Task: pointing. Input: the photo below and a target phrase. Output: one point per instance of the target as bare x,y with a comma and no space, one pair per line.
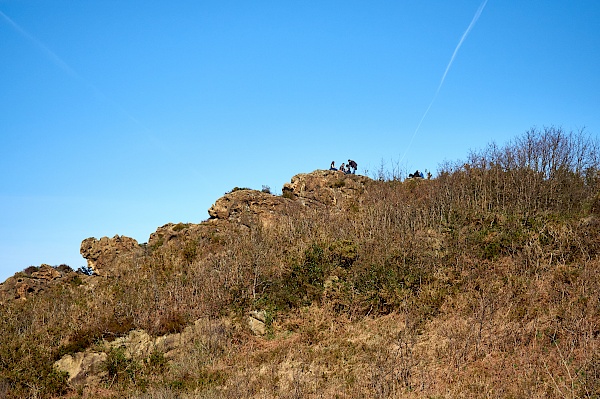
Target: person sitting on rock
332,167
343,168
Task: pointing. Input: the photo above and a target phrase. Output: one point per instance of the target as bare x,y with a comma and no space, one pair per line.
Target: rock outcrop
244,206
34,280
316,189
100,253
86,368
237,209
325,187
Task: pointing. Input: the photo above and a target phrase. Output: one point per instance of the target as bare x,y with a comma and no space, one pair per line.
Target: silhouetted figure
416,174
332,167
352,165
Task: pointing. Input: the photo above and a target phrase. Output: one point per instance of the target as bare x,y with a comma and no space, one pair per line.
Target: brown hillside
482,282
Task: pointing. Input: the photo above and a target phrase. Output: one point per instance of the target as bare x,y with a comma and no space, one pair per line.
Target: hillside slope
483,282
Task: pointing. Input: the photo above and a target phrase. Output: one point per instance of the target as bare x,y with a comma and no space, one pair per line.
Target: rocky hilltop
333,190
231,214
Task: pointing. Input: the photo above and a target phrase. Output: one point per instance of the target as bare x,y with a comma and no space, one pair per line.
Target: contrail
462,39
66,68
51,54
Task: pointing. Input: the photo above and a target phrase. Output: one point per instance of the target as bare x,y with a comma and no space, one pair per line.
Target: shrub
88,271
64,268
302,284
287,194
181,226
236,188
172,322
156,362
120,368
343,253
339,184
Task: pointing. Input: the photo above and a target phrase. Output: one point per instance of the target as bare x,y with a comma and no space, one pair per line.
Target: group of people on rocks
349,168
418,174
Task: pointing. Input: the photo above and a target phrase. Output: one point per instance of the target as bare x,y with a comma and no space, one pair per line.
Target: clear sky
117,117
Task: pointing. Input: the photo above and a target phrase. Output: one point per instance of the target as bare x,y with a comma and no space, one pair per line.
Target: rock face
239,208
33,280
325,187
88,367
319,188
245,206
84,368
179,235
234,204
101,253
257,321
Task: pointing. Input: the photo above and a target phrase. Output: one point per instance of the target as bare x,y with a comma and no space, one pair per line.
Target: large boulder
83,368
326,187
33,280
100,253
88,368
243,206
316,189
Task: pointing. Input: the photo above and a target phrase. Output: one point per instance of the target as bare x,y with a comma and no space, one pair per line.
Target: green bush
287,194
156,362
302,284
181,226
119,367
344,253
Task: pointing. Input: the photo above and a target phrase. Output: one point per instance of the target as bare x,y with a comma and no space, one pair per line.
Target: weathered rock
46,272
244,206
33,280
84,368
239,208
326,187
177,232
318,188
234,211
101,253
87,368
138,344
257,322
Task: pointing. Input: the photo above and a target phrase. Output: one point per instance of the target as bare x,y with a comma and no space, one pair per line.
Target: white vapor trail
66,68
55,58
462,39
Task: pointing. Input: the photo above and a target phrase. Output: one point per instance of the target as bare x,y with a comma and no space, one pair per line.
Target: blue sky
117,117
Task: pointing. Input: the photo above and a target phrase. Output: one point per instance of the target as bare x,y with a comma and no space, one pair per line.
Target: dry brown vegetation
481,283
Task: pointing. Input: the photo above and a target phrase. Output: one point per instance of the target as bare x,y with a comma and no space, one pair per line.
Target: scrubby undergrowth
482,282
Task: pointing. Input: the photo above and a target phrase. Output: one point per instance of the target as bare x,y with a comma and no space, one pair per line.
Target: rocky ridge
236,210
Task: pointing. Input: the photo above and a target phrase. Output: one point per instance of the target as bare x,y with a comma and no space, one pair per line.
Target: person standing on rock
353,165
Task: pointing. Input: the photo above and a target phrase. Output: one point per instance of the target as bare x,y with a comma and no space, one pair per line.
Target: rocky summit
322,188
